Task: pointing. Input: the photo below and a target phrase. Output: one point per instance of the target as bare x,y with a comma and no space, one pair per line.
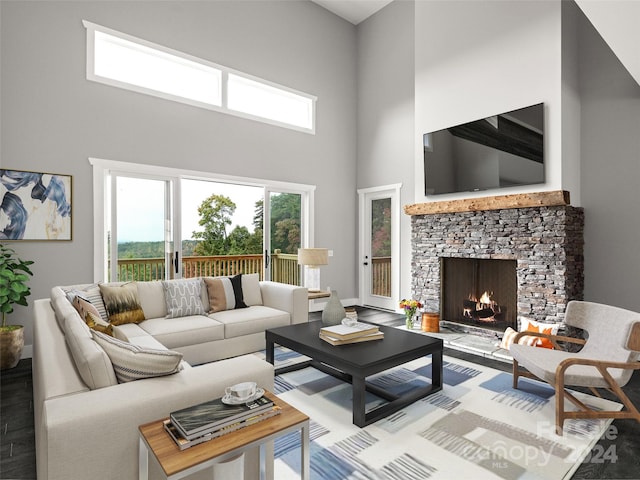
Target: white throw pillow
131,362
251,289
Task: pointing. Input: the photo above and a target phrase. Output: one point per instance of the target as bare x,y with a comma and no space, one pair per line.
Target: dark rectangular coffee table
355,362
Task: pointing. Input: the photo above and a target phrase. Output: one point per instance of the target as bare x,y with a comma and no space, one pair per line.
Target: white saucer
229,400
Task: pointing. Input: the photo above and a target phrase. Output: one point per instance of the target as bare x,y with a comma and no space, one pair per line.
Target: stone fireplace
544,243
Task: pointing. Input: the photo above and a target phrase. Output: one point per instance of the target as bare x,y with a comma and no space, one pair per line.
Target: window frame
103,169
92,28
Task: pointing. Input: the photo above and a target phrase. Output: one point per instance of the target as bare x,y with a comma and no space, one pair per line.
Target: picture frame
35,206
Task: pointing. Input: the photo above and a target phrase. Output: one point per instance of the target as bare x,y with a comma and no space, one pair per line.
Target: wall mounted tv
504,150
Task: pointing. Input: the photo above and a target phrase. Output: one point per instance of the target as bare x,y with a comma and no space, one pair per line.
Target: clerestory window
124,61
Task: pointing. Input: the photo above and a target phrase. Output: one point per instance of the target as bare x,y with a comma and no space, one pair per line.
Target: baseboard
318,305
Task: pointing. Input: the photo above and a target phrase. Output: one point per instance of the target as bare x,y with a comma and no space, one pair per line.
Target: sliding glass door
160,227
141,230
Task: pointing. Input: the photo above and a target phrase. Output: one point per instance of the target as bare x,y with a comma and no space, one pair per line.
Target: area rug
477,427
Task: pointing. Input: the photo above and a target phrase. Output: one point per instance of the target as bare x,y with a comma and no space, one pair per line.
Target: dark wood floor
617,457
17,441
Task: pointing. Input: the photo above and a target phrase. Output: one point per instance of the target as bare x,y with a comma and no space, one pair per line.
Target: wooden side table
175,463
319,294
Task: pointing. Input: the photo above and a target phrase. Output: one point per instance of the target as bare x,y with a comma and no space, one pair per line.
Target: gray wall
53,119
386,111
483,57
610,155
365,78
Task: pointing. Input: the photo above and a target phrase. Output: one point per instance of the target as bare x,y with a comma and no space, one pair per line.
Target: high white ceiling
354,11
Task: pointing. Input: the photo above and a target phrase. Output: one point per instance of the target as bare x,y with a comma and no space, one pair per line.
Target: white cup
241,391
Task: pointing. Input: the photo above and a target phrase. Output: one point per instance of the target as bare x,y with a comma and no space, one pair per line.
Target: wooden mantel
519,200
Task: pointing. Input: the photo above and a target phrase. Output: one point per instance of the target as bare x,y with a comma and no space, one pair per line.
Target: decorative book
195,421
362,338
343,332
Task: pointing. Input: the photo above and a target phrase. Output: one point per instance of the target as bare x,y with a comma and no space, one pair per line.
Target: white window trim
102,168
93,27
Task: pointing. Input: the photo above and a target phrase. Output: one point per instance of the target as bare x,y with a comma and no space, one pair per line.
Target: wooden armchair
607,359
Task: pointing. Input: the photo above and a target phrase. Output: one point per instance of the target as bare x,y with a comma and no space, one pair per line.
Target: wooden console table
175,463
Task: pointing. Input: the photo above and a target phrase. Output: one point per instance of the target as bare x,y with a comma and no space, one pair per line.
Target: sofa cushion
132,362
250,320
251,292
185,331
122,303
182,297
92,363
151,296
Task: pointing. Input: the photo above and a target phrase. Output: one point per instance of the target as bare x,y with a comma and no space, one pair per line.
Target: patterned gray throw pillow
183,297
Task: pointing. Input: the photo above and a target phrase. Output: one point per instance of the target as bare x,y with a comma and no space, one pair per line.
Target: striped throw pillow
225,293
131,362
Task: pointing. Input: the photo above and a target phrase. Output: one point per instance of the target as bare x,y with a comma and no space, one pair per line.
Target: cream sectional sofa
86,422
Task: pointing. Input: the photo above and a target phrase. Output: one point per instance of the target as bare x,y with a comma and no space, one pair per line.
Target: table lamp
312,258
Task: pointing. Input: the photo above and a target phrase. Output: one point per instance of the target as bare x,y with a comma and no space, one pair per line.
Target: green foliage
242,242
285,222
381,228
215,213
14,275
130,250
258,216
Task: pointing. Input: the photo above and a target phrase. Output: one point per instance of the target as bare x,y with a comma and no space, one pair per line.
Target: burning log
484,310
485,313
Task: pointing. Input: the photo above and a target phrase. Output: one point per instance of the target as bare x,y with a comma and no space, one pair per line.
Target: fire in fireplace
483,309
479,292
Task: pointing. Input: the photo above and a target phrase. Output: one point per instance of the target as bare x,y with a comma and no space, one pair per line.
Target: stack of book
205,421
343,334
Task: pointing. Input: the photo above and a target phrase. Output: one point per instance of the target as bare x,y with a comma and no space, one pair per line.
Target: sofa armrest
90,433
289,298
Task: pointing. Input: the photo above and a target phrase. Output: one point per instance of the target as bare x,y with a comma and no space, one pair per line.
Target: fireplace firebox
479,292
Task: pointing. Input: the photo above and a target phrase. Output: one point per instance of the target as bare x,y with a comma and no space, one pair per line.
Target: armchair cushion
543,362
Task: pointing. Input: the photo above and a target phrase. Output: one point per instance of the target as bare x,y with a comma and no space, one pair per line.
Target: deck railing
284,269
381,276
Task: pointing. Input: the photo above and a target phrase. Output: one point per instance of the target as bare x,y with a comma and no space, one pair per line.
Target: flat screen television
504,150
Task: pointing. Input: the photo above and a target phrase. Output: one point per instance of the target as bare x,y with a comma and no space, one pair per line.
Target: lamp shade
313,256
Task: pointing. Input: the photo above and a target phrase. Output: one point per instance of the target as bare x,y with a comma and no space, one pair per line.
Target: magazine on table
194,421
184,443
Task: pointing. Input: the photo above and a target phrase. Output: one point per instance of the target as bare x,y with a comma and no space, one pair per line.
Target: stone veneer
546,242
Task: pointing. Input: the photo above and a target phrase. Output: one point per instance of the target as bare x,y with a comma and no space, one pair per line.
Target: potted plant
14,275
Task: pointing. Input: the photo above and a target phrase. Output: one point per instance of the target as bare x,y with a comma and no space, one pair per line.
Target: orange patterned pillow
542,342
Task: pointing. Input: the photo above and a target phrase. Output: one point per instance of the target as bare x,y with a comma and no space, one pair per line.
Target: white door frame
365,196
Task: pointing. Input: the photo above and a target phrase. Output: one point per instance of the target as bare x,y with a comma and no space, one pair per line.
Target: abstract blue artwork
34,206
